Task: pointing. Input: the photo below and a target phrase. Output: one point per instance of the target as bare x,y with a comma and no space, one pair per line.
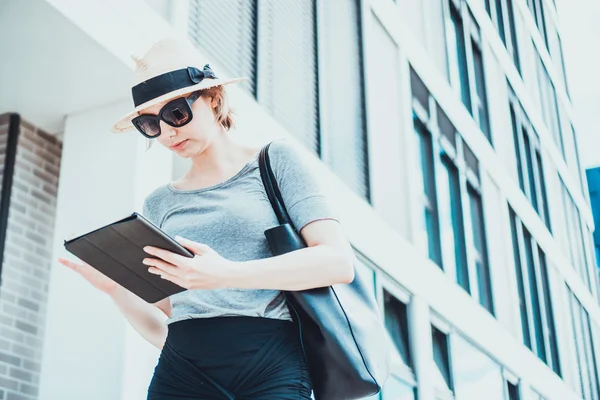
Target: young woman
230,335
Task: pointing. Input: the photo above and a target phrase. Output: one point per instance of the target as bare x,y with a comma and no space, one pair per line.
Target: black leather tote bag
343,337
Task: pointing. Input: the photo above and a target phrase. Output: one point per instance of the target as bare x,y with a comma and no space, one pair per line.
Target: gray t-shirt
231,218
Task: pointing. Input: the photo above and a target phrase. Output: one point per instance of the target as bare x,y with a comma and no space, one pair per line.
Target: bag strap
271,187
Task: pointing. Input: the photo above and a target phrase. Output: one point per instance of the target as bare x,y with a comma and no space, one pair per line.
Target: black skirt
231,358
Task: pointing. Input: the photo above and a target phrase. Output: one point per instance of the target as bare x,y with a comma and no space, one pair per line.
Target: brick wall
26,263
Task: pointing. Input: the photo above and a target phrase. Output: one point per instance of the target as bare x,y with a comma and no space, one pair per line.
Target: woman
230,335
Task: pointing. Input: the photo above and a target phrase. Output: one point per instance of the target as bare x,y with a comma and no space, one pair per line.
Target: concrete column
90,353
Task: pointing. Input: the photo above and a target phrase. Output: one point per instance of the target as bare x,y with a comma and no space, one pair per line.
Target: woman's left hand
206,270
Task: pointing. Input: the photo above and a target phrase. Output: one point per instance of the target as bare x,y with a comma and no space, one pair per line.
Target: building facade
441,129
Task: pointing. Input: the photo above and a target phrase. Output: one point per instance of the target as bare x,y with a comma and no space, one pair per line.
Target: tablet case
116,250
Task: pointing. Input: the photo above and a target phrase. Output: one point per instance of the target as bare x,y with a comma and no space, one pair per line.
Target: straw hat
171,68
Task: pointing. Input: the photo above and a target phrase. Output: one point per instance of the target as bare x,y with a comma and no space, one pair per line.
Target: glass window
452,231
500,20
396,323
515,130
530,171
513,34
480,246
425,155
513,391
482,104
550,327
441,358
540,347
520,285
544,197
476,376
457,55
419,90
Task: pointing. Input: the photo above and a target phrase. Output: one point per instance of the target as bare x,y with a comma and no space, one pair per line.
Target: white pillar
88,346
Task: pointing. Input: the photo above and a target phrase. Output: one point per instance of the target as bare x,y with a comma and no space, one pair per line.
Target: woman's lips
179,145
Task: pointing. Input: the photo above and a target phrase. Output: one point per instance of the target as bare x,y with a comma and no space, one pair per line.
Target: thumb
195,247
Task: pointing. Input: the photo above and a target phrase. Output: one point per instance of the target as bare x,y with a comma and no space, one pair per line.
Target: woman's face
194,137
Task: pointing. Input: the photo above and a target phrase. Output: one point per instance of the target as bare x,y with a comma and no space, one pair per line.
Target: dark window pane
396,323
534,297
544,199
441,355
515,129
452,234
419,90
425,155
500,18
446,127
530,172
470,159
513,392
481,262
550,328
460,55
520,284
513,34
484,120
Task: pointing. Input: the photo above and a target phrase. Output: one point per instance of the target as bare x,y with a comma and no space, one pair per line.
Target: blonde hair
222,111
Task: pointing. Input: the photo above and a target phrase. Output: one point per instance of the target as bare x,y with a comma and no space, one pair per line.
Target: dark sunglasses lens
177,114
149,126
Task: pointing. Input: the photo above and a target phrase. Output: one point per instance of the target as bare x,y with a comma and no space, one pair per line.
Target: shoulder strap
271,187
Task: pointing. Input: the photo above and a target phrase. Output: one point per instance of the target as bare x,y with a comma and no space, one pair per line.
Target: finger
171,278
166,255
163,267
68,263
194,247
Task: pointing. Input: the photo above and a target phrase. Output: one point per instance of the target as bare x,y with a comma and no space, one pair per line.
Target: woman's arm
147,319
328,260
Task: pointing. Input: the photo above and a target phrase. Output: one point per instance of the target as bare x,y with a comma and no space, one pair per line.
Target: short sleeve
304,199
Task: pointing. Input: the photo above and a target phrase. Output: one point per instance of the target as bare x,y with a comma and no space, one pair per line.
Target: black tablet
116,250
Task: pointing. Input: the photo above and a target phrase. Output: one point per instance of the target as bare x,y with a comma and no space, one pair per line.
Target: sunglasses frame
186,101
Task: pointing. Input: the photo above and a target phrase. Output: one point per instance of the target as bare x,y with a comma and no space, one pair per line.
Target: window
457,55
537,11
513,391
549,314
503,16
288,55
523,308
549,104
514,47
396,322
431,228
450,173
211,25
481,99
535,302
464,47
585,353
452,224
343,127
529,160
534,297
573,236
441,359
484,284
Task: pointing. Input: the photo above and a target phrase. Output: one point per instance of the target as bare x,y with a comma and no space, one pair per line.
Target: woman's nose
167,129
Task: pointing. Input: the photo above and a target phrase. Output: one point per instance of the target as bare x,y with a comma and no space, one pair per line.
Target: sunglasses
175,113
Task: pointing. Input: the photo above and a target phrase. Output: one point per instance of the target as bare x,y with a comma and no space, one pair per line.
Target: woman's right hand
93,276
